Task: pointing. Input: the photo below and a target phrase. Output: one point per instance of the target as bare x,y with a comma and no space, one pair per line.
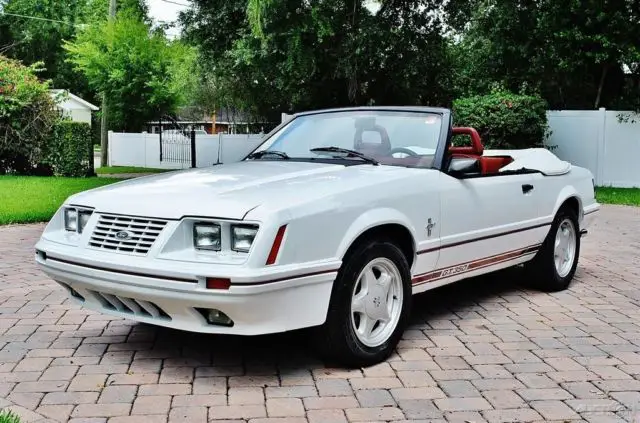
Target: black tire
336,339
541,271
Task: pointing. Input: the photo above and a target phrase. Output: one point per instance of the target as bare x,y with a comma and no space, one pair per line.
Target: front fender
370,220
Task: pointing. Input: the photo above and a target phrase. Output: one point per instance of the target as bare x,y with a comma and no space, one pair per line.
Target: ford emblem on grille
123,235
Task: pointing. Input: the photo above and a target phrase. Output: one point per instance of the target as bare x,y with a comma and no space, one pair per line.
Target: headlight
75,219
242,237
71,220
206,236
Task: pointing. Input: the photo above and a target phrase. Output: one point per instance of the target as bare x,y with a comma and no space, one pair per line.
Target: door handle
526,188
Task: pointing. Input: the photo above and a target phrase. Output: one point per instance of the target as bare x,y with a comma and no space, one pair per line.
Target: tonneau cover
539,159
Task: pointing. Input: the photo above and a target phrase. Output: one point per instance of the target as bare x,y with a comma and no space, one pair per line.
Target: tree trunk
104,136
603,78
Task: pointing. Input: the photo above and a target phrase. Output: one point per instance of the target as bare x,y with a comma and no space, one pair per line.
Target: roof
69,96
420,109
224,115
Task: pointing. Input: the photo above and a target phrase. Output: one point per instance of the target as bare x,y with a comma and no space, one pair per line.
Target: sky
168,10
164,11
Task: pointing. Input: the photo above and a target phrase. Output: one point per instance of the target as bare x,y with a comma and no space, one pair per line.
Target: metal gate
177,142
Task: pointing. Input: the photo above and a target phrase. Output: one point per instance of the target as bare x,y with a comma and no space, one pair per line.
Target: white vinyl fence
143,149
594,139
597,140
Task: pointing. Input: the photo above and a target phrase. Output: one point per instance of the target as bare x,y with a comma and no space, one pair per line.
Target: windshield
397,138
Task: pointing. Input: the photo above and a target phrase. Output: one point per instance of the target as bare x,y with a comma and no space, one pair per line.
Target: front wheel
370,305
555,264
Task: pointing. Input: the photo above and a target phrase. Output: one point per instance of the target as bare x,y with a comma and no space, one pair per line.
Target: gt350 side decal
472,265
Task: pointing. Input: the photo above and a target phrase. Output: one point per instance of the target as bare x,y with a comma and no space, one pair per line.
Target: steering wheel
403,150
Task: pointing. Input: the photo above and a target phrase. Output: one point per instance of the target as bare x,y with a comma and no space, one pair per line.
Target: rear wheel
370,304
555,264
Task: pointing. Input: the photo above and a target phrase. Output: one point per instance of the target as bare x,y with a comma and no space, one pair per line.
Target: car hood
230,190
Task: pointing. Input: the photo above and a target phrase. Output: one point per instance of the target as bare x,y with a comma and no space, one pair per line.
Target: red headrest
476,144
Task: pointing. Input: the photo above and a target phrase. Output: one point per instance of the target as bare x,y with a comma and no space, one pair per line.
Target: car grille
141,233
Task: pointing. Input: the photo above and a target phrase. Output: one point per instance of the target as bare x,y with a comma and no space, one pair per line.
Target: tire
338,338
543,272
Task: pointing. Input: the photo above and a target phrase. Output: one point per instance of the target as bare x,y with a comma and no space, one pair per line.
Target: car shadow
288,353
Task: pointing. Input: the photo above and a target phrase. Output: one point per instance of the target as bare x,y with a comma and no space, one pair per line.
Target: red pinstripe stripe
438,274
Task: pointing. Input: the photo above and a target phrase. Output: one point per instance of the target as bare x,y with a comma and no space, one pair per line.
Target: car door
488,220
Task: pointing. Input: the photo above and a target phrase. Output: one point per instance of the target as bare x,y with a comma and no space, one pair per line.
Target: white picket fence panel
597,140
143,149
594,139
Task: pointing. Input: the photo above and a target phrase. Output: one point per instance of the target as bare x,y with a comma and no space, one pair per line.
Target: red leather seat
493,164
488,164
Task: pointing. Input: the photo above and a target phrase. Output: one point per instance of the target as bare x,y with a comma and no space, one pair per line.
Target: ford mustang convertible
332,223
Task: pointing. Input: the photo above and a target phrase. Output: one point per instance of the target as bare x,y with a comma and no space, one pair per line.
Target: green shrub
27,114
69,149
503,119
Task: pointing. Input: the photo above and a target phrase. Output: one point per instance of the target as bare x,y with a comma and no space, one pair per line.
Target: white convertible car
333,222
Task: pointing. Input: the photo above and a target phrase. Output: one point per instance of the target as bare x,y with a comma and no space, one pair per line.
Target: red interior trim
476,144
275,248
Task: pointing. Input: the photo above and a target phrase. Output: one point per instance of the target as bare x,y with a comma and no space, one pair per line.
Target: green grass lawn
624,196
7,416
113,170
25,199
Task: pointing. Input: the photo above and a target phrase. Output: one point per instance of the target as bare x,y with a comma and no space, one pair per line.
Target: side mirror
464,166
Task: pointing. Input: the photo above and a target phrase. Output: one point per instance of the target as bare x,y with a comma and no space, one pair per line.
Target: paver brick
503,399
58,398
512,415
473,352
554,410
152,404
372,398
101,410
373,414
237,412
117,393
165,389
463,404
326,416
285,407
188,414
59,413
155,418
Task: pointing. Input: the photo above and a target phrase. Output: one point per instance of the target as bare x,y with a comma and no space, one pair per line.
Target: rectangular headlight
242,237
76,219
83,219
206,236
71,219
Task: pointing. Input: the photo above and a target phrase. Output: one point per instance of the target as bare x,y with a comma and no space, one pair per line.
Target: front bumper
258,302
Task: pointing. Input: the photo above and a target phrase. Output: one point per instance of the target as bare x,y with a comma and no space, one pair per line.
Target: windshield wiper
349,153
262,153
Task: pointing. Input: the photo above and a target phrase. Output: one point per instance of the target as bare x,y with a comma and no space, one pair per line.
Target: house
72,106
224,121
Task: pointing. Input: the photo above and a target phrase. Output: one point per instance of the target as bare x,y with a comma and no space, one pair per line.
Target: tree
40,40
278,56
141,73
577,54
38,34
27,114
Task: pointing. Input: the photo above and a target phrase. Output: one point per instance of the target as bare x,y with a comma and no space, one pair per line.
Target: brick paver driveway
483,349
